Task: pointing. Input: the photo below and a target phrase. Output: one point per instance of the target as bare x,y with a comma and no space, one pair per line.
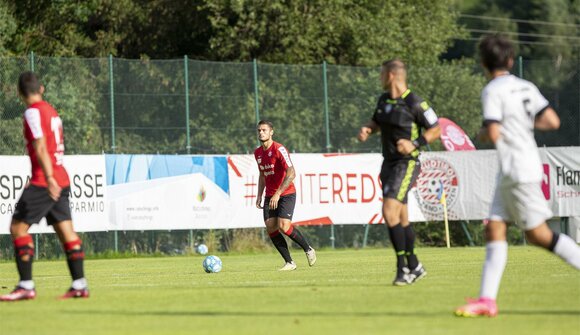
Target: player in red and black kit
47,194
276,176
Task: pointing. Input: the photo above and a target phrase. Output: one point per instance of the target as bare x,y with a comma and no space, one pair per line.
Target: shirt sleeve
538,103
491,104
425,114
32,118
284,157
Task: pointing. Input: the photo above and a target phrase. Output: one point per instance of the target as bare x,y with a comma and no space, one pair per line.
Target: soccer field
347,292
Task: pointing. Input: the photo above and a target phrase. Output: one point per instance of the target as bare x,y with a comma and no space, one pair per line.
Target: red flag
453,137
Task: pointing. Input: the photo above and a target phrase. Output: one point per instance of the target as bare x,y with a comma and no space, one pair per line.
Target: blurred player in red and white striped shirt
276,176
47,194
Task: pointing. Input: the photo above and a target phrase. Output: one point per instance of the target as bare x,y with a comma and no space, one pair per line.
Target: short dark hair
266,122
28,84
394,64
495,52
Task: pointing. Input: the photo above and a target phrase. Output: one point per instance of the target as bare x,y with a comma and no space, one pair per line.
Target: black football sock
281,245
75,257
397,234
412,259
297,237
24,252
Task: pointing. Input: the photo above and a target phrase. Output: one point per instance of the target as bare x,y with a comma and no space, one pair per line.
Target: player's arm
34,123
261,187
367,129
288,178
492,115
45,163
547,119
489,132
426,117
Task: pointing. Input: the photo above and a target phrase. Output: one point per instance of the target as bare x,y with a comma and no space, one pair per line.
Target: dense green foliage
149,95
346,292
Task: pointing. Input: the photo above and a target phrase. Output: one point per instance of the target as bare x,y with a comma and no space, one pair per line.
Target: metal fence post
112,103
521,67
256,91
326,118
366,235
36,246
186,71
113,144
191,240
32,61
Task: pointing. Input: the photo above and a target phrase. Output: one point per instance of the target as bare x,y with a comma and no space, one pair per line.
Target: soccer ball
201,249
212,264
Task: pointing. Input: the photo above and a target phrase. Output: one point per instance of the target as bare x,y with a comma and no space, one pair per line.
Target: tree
346,32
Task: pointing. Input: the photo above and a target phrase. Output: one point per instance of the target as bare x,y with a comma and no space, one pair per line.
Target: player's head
29,86
265,130
393,70
496,53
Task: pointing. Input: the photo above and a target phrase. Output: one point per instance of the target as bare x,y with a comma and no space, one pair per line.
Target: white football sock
495,261
79,284
568,250
26,284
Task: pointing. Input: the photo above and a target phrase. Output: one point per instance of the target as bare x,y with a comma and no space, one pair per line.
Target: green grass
347,292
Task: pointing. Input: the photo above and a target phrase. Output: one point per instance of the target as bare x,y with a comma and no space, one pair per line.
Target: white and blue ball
202,249
212,264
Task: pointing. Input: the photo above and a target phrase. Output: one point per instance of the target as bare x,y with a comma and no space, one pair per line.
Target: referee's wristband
421,141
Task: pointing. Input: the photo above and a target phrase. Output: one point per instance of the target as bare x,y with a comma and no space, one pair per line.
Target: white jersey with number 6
514,103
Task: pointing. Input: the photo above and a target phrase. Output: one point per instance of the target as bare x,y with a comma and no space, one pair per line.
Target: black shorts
285,208
398,177
35,204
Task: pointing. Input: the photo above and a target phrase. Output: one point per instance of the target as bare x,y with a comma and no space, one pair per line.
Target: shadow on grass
314,314
260,313
534,312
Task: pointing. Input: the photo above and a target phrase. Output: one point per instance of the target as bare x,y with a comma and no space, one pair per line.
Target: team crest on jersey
259,160
270,154
388,108
438,178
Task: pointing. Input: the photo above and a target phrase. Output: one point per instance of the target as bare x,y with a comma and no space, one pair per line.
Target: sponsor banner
346,189
87,196
131,168
561,181
330,188
182,202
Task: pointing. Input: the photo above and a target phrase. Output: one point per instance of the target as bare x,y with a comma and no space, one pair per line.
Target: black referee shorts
398,177
35,204
285,209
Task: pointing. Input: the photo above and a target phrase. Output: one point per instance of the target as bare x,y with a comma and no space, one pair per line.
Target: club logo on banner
436,173
201,195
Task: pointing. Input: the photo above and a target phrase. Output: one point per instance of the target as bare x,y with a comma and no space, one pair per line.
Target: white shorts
522,203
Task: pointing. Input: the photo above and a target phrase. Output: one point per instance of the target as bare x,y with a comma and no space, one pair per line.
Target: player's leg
397,179
495,257
32,206
273,230
493,268
59,217
560,244
24,253
392,214
416,269
75,256
286,207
